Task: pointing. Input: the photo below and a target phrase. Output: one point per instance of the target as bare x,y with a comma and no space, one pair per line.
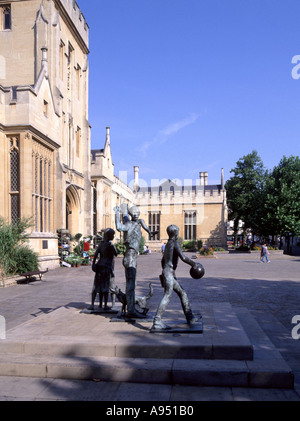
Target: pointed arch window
154,224
14,180
42,189
5,17
190,226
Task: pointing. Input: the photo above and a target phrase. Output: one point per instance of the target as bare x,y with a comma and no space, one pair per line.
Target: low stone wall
48,262
10,280
253,251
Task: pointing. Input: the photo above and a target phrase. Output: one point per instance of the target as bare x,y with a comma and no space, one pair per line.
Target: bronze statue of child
104,269
169,281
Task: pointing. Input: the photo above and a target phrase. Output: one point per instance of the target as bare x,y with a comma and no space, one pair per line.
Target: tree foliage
282,198
245,191
268,202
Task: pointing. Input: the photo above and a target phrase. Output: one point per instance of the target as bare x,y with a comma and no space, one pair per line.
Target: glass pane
7,19
14,170
14,208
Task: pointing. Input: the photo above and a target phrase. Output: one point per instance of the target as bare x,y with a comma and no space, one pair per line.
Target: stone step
154,371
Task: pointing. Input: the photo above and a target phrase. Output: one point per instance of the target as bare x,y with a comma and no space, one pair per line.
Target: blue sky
193,85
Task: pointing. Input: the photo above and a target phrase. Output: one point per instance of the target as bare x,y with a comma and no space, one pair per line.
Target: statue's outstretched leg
158,324
130,294
190,318
91,307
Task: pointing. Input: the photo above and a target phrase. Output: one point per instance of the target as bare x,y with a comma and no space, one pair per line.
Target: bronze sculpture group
104,270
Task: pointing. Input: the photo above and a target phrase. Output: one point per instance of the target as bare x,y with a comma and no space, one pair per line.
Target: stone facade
109,190
199,210
44,128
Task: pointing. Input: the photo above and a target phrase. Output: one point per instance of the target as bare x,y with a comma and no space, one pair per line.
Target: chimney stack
222,178
203,178
107,134
136,178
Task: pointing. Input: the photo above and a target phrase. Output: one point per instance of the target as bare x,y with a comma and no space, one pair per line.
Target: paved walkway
271,292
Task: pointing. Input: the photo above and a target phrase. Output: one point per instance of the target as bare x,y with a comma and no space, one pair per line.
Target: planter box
270,251
207,256
10,280
239,251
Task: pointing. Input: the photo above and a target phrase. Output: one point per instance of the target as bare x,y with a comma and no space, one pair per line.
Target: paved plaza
268,293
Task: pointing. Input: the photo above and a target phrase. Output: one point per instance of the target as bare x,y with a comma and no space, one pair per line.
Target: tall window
95,229
78,73
154,224
61,59
14,180
70,60
78,139
5,17
190,226
42,200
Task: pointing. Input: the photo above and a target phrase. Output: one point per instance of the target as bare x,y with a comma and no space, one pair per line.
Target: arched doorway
73,209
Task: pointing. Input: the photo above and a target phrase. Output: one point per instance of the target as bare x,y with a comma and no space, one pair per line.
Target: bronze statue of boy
169,281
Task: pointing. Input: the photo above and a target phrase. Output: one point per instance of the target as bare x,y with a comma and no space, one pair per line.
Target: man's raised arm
119,225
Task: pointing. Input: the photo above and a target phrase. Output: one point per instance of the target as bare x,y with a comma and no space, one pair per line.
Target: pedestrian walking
264,254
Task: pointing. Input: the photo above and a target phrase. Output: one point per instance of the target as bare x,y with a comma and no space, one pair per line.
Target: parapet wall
76,15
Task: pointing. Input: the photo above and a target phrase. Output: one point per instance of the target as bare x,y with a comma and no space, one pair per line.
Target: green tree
282,199
245,192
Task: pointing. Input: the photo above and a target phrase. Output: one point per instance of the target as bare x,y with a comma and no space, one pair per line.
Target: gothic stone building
44,128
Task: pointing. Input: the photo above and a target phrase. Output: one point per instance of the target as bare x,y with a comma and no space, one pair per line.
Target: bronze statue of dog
141,301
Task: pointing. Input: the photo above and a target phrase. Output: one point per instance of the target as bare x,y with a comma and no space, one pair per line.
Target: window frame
190,224
154,225
6,17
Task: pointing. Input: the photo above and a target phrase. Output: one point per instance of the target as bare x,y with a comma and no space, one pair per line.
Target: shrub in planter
189,245
24,260
206,251
243,248
15,256
84,261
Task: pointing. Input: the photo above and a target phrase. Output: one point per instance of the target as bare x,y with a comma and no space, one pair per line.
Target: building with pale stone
49,171
198,209
44,128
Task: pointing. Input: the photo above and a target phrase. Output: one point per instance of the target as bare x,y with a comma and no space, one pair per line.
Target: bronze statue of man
169,281
132,239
